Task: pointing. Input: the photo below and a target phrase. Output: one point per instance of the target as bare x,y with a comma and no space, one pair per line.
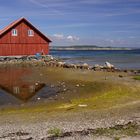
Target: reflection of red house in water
11,83
22,38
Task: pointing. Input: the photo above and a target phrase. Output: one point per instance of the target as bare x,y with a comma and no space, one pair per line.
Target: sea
123,59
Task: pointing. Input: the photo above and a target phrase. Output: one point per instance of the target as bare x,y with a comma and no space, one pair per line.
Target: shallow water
124,59
15,90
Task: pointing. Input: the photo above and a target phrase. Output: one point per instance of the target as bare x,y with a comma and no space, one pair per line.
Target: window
30,33
14,32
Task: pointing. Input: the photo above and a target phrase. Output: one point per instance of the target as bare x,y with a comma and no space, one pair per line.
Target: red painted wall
23,44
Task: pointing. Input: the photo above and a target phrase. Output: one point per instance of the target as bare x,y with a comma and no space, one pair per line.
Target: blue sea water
124,59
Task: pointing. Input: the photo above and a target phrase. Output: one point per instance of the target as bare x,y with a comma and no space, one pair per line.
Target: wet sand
82,100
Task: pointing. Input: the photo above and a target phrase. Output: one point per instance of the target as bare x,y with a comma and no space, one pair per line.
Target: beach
41,101
70,70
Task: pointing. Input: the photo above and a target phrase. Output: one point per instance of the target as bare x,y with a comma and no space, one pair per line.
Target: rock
85,66
51,63
36,84
64,89
77,85
66,66
96,67
51,57
135,72
52,86
82,105
60,64
78,66
73,66
120,76
109,65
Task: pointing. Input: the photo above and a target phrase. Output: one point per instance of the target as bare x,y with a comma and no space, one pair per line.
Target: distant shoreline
86,47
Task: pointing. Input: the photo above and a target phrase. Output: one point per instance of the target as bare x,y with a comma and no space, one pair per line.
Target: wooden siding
23,49
22,44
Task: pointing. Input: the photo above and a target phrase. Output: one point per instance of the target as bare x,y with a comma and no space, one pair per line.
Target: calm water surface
124,59
15,90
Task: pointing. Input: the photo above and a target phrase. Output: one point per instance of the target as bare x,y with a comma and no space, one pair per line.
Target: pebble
36,84
82,105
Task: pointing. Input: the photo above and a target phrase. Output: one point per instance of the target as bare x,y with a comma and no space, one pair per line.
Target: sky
79,22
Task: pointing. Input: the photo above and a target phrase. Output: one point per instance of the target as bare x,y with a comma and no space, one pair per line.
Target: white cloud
72,38
62,37
58,36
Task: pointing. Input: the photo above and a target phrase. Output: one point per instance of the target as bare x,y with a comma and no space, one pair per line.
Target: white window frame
30,32
14,32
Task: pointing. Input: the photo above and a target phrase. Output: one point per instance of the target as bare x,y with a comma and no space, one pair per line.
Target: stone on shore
96,67
61,64
48,60
85,66
109,65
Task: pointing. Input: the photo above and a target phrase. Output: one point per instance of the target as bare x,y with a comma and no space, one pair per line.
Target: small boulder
121,76
109,65
96,67
78,66
85,66
73,66
66,65
61,64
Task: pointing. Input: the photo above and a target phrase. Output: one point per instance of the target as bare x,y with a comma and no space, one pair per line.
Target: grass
55,132
116,138
114,96
129,129
116,132
137,77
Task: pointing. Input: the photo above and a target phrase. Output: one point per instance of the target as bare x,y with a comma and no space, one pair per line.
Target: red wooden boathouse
22,38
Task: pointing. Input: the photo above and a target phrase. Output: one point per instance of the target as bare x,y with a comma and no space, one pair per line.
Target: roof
16,22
